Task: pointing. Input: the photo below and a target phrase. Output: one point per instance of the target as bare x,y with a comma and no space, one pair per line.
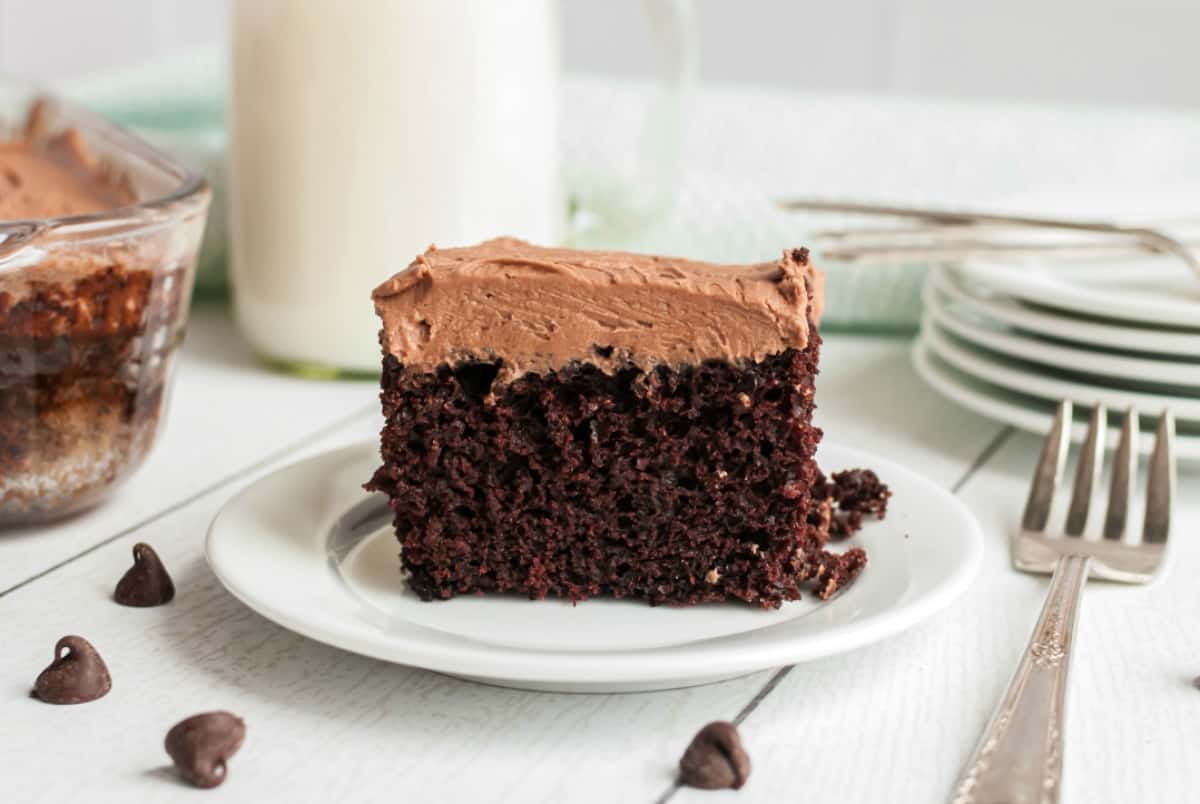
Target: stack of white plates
1010,338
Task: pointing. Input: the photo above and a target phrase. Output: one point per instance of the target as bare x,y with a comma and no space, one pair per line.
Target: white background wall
1132,51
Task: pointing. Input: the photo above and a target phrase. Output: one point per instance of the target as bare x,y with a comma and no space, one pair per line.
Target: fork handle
1019,757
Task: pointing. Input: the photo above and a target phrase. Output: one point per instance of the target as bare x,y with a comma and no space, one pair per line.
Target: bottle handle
674,25
647,182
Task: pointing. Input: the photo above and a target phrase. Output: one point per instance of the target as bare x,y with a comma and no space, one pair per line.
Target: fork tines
1160,485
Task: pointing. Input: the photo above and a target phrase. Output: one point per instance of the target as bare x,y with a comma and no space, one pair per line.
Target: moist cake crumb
845,499
861,490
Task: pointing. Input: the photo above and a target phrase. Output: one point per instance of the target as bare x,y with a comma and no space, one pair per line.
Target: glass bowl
92,310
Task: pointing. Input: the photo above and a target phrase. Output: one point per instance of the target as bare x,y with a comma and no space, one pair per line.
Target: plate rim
1113,335
1054,355
1040,385
1009,412
1032,285
598,668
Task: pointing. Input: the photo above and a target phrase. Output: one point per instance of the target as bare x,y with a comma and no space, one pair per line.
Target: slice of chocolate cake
576,423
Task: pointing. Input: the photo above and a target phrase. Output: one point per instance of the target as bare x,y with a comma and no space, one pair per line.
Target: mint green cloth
744,148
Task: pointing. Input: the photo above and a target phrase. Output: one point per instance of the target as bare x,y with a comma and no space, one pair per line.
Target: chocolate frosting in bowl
55,175
540,308
52,182
44,176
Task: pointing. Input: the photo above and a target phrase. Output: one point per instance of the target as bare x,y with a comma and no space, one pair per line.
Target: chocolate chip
715,759
77,674
146,583
202,744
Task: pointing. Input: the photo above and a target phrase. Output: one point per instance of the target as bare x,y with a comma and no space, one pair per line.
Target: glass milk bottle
362,131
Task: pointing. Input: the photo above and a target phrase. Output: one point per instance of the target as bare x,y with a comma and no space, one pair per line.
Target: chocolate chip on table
202,744
146,583
77,674
715,759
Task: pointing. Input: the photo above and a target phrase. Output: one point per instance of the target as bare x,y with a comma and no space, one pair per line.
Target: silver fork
1019,757
953,223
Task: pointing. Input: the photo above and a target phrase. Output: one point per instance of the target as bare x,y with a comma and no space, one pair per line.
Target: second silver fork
1019,757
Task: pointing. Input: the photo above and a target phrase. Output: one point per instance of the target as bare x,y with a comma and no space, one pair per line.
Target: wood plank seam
211,488
986,455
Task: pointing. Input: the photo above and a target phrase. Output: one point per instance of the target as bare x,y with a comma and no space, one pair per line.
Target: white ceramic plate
1025,412
1150,290
1029,379
1160,291
963,323
308,549
1128,338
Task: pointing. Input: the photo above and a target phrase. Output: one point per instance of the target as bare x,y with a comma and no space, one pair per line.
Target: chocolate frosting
44,175
52,183
541,308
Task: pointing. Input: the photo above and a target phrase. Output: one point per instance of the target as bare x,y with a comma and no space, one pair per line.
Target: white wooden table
888,723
